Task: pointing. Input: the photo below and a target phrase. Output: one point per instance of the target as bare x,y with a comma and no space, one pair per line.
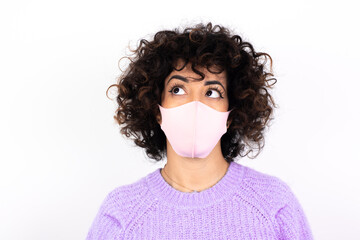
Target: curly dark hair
140,86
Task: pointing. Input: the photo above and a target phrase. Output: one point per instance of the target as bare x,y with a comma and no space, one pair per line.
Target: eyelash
210,88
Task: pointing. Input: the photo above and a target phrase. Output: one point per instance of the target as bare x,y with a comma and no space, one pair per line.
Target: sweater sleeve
106,225
292,222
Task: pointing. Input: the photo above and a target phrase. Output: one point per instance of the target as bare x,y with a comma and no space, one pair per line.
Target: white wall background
61,151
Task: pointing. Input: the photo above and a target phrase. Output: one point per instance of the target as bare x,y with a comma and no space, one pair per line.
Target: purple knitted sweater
244,204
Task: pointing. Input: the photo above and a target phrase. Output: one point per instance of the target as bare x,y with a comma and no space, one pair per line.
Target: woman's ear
158,118
228,123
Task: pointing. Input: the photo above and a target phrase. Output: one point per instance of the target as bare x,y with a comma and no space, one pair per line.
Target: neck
188,174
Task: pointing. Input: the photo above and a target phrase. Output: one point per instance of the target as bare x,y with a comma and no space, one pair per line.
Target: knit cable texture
244,204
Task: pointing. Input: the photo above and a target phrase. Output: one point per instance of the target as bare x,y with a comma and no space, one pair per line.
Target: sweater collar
171,196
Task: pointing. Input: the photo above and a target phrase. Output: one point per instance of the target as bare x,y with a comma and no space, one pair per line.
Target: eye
210,92
175,89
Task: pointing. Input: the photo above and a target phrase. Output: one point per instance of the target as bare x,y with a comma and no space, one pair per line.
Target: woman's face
180,88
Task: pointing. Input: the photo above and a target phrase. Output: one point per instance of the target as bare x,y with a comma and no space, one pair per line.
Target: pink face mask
193,129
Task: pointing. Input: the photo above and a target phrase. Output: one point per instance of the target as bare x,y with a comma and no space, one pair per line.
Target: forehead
189,73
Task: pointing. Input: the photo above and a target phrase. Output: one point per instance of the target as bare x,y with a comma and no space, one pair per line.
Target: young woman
199,98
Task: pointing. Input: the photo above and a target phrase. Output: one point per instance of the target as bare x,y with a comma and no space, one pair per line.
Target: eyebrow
184,79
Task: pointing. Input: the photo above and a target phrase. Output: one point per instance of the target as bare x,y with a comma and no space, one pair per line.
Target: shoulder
120,206
127,201
274,200
264,182
266,192
129,191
